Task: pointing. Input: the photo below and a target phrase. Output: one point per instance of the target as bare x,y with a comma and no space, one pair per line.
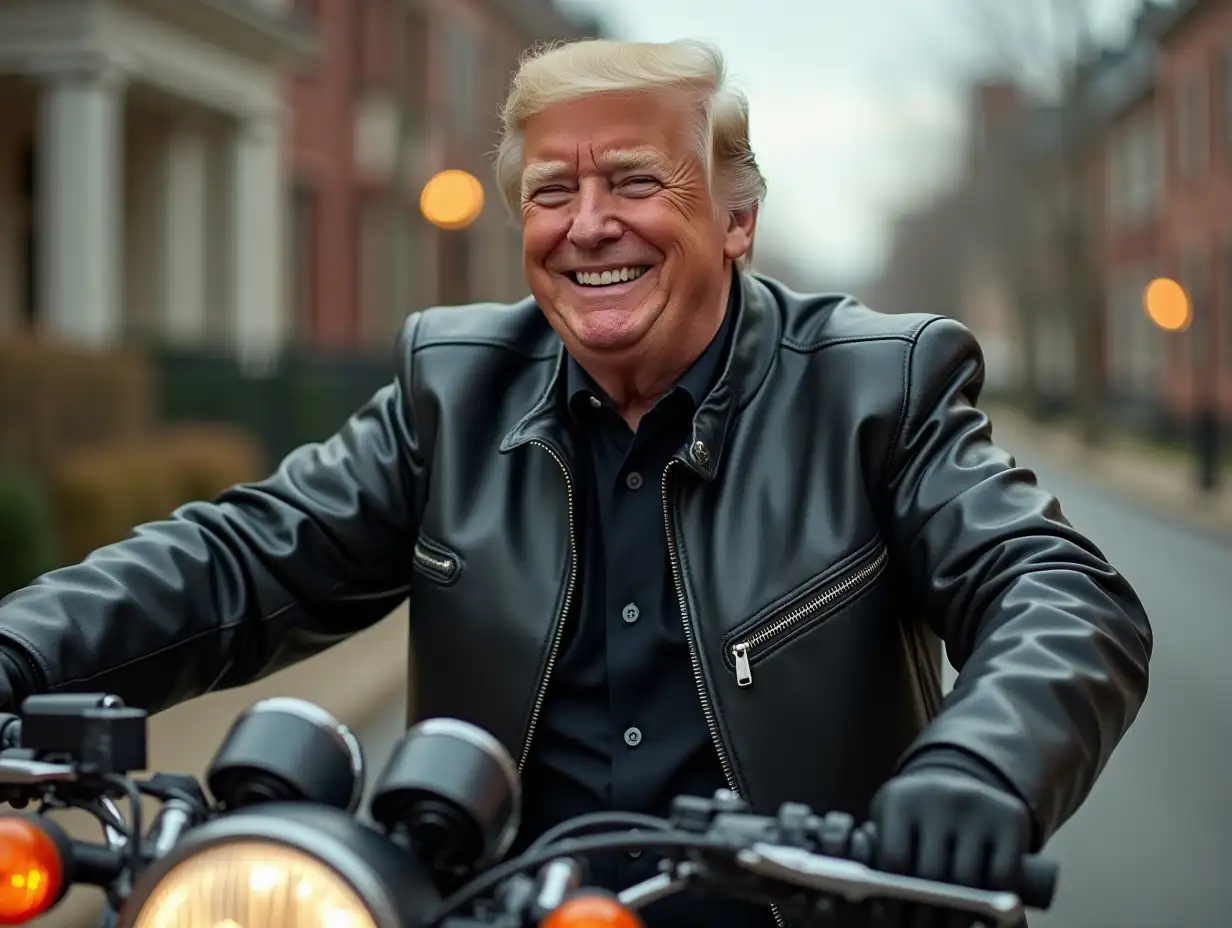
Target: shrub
57,399
102,494
27,536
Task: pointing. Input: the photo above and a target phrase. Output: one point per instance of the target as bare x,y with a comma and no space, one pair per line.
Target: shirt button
633,480
596,402
633,737
636,852
630,613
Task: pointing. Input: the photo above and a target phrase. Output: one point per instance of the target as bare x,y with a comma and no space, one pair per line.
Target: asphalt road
1152,847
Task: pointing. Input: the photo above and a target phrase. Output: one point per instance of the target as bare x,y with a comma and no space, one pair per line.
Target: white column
183,223
256,240
80,120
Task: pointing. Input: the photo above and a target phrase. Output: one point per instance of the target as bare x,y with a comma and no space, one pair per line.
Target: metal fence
304,398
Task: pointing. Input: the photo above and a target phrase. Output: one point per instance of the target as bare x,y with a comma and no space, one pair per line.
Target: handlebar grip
1037,879
1038,884
10,730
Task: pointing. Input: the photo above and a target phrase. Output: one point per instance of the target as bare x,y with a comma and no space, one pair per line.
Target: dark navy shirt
622,726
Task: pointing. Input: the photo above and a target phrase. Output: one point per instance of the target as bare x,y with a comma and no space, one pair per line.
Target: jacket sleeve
223,593
1051,643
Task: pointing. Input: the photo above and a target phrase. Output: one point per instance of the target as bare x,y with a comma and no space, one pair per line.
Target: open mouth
608,278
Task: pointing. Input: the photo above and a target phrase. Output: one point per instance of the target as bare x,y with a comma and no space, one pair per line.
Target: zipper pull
744,670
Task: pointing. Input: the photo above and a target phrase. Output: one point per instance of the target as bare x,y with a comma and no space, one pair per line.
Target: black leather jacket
839,508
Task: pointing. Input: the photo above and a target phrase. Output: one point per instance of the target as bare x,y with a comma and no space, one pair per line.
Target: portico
141,170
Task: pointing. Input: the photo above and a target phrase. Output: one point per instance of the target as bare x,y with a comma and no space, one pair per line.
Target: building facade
1195,119
405,88
1152,197
242,175
141,169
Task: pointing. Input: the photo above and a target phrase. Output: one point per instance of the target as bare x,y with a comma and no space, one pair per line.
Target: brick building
1195,108
211,175
140,169
439,69
1156,200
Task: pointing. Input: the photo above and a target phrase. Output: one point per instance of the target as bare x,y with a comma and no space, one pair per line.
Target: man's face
622,244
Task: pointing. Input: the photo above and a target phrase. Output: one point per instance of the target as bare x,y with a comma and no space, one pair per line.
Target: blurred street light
451,199
1167,304
1172,309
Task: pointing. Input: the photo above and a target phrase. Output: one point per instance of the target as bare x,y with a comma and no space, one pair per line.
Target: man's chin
608,331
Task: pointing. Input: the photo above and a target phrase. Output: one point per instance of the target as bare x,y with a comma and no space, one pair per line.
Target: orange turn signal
591,912
31,870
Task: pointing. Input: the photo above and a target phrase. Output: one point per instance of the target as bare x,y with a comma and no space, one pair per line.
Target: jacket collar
753,345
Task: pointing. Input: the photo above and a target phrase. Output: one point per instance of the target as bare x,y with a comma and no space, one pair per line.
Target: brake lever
24,772
640,895
857,883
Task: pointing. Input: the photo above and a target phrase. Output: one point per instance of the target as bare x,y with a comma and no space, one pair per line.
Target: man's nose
594,222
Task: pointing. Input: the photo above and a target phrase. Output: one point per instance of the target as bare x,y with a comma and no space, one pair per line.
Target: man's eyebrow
543,172
632,160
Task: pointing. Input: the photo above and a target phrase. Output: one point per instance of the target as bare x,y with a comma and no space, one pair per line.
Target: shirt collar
696,382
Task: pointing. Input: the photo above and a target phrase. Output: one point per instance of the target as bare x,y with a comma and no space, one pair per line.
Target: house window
1225,306
455,267
1191,129
377,45
464,68
29,237
1195,278
1225,82
303,237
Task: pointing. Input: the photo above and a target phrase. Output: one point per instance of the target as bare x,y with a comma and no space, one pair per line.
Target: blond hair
557,73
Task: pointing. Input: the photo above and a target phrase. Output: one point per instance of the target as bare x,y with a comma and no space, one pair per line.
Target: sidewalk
1144,474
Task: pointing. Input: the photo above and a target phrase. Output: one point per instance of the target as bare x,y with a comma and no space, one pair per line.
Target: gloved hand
949,817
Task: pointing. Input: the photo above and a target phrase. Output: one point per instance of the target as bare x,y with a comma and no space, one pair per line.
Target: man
665,527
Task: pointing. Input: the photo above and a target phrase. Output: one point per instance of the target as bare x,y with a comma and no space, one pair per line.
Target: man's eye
639,183
550,195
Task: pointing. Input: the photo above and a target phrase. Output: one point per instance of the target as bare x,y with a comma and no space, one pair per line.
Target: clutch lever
857,883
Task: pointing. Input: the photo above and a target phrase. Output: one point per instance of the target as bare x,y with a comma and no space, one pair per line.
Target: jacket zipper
743,649
442,566
559,628
698,678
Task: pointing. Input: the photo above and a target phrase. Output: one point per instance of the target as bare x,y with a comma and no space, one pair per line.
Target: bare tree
1049,49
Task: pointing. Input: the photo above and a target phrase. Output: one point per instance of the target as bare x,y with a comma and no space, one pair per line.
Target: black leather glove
947,816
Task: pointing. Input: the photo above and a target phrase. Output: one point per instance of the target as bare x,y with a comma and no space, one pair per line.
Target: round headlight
253,884
282,865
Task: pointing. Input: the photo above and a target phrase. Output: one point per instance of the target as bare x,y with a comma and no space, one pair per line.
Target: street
1153,844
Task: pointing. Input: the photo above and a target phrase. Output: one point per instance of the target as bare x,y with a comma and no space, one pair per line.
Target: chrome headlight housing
282,865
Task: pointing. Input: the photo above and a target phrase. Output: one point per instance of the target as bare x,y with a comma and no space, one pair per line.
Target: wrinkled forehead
609,133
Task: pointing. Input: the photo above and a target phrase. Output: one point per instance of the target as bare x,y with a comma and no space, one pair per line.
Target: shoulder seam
479,341
909,337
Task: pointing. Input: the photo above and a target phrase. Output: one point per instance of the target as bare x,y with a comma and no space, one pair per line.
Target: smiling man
665,526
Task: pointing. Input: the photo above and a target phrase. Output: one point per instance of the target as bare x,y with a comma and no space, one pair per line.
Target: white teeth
604,278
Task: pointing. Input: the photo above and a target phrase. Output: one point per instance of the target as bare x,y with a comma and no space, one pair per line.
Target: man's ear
738,241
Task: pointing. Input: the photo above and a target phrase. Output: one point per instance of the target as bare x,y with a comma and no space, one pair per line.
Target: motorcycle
278,844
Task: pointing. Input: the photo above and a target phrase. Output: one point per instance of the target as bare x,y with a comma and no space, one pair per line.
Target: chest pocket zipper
435,561
744,650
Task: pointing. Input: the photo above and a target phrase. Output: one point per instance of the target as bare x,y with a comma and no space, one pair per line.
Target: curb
1164,489
354,680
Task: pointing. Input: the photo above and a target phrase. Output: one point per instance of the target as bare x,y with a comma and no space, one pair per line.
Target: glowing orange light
452,199
31,871
1167,304
591,912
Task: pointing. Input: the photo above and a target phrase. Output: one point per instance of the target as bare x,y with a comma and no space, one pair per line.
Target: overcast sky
853,108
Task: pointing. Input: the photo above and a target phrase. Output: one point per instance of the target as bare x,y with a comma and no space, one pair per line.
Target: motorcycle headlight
253,883
282,866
